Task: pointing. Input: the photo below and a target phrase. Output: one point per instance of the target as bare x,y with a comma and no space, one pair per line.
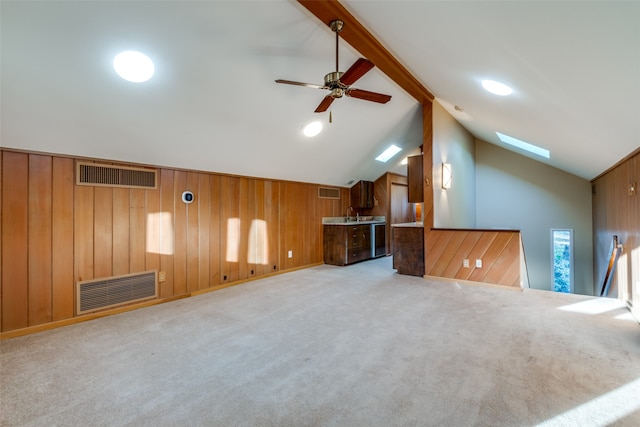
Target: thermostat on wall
187,197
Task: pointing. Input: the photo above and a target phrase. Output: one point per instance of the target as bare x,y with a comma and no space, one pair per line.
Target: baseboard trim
97,315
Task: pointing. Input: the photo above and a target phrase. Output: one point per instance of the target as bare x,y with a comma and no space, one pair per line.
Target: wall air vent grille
100,294
328,193
115,176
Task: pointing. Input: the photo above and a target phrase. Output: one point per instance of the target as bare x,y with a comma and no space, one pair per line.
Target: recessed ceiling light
496,88
388,153
133,66
312,129
523,145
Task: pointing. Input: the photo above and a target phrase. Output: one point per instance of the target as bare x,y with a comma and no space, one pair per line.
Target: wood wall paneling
616,211
192,236
121,231
83,233
245,218
167,231
152,229
56,233
103,231
39,239
215,254
62,220
15,270
204,218
180,234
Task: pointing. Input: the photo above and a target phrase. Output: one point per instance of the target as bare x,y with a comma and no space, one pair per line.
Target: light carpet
335,346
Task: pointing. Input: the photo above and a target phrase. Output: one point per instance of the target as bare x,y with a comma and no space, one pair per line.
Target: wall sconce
446,175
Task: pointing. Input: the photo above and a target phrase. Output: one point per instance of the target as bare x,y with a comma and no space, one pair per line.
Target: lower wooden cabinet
346,244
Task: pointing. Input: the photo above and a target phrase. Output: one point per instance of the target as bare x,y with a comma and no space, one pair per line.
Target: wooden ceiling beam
364,42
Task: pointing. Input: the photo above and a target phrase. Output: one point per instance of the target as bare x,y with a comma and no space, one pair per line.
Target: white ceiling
213,104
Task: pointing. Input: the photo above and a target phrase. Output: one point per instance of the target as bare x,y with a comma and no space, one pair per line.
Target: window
562,260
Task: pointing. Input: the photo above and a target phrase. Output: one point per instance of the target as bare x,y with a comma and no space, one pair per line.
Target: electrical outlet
162,276
465,263
478,263
290,254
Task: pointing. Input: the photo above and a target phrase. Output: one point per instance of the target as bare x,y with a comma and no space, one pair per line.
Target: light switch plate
465,263
478,263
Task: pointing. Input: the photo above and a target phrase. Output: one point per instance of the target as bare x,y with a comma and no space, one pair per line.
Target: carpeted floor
335,346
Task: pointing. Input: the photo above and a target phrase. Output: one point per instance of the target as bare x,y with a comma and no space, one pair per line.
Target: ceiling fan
340,83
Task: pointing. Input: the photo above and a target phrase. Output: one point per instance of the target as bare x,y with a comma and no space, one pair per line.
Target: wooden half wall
499,250
55,233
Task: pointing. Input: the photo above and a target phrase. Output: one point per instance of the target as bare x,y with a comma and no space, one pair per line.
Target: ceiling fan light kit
338,83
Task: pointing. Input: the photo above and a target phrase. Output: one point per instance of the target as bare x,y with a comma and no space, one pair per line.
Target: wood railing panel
498,250
468,243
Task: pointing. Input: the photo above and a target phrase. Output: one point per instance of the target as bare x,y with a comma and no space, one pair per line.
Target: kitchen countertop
409,224
340,220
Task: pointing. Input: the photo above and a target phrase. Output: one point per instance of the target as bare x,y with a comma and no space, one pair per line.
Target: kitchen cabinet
362,195
346,244
415,179
408,248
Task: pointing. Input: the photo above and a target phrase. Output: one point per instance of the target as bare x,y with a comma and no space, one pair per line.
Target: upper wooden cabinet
415,179
362,195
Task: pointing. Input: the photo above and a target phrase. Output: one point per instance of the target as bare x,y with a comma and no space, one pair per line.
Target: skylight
496,88
388,153
133,66
523,145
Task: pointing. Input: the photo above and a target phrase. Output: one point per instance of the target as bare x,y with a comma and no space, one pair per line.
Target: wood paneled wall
383,203
616,211
498,250
55,233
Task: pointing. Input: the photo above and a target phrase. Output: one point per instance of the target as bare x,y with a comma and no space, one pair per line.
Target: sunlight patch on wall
233,239
258,243
160,233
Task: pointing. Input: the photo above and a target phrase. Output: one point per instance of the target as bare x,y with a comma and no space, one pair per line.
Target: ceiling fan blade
311,85
368,96
357,70
324,105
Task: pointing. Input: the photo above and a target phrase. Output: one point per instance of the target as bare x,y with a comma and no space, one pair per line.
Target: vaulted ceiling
213,104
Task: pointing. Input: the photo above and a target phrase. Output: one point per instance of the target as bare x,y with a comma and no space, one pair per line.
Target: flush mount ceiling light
496,88
312,129
133,66
523,145
388,153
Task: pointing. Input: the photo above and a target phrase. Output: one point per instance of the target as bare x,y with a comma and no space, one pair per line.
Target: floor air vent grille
114,176
100,294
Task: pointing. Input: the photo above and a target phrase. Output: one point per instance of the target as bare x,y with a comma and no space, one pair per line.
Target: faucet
357,216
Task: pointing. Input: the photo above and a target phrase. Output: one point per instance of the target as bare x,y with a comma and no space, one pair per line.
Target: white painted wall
455,207
513,191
